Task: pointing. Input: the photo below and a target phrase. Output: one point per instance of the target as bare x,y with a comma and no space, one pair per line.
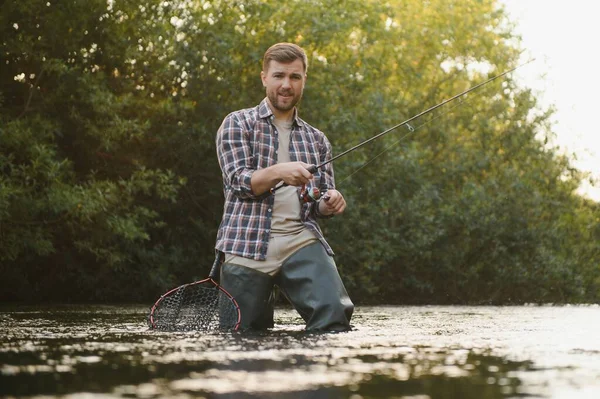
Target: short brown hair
284,53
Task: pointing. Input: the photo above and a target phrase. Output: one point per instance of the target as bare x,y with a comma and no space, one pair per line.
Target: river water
423,352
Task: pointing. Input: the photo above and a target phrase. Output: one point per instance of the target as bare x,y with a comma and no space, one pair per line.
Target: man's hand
291,173
294,173
332,203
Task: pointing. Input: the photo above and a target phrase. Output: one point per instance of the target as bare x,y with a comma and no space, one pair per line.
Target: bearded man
269,238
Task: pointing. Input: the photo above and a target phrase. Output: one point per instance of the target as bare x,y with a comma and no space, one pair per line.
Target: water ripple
403,352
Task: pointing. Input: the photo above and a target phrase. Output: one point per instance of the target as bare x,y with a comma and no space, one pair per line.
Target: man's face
284,84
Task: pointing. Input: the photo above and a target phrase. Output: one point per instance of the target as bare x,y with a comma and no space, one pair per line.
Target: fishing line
461,102
314,168
411,131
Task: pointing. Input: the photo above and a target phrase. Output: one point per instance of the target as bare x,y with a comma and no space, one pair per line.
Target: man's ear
263,76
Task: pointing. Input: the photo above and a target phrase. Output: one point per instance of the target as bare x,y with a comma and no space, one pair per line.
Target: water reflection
401,352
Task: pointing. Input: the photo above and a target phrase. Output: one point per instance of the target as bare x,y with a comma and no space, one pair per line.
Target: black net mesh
194,307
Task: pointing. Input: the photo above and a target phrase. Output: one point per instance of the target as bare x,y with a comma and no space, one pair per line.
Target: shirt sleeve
327,179
235,157
327,176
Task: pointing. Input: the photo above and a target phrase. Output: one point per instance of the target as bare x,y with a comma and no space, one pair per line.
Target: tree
110,179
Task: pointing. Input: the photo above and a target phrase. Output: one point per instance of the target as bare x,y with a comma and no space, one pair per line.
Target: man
273,238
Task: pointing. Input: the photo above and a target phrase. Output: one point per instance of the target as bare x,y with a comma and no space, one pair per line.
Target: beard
283,105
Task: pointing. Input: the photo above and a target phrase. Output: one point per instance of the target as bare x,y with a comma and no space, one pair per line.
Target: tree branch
31,91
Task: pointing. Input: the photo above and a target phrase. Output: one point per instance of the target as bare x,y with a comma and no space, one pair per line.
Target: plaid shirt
248,141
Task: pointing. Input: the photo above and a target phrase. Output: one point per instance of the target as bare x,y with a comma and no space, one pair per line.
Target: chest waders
309,279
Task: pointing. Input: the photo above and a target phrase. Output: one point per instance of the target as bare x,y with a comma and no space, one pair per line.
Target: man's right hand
294,173
291,173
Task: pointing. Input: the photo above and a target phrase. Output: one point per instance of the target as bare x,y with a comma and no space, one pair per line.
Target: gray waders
310,281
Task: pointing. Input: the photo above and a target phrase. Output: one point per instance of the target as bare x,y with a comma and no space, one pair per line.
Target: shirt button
269,210
267,230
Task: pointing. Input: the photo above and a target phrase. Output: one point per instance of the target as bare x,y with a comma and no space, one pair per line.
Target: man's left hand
332,203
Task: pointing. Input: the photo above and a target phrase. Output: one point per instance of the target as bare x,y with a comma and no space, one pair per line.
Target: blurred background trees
110,188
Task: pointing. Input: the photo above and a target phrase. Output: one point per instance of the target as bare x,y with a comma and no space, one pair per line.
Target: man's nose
286,82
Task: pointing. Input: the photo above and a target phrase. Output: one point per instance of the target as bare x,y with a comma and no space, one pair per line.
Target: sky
563,38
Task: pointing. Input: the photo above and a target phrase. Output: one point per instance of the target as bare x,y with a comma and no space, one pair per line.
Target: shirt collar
264,112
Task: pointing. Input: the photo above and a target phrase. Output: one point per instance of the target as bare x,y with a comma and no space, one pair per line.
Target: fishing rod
314,168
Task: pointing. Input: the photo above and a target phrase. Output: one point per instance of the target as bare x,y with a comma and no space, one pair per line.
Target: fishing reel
310,195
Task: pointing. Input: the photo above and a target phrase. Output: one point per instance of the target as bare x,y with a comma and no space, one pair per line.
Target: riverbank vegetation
110,188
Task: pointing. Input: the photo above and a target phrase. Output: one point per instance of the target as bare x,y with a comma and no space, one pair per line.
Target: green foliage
110,188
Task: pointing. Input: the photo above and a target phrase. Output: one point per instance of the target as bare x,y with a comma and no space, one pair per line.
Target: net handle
216,267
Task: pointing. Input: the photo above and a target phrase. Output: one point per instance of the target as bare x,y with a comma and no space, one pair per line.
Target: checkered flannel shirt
247,141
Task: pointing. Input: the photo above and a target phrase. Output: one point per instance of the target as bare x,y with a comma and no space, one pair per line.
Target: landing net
200,306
